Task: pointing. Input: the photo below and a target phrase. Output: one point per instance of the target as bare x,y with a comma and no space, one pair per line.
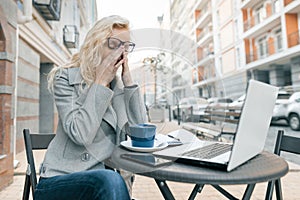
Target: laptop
249,138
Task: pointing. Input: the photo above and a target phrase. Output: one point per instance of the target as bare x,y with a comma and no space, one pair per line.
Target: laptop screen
253,123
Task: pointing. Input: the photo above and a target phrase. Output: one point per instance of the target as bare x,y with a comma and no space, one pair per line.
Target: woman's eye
114,44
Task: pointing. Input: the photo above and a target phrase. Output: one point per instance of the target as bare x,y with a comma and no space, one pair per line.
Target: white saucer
157,146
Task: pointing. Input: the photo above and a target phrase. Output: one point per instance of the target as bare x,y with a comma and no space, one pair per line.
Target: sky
140,13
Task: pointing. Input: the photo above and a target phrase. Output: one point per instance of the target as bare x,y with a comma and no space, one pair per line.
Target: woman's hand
126,76
106,72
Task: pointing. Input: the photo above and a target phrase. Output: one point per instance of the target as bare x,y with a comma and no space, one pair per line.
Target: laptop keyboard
209,151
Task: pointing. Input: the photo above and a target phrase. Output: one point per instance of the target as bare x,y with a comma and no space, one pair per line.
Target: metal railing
205,32
203,11
264,50
204,53
257,19
293,39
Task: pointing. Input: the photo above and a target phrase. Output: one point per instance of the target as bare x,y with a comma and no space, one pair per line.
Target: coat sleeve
80,115
135,108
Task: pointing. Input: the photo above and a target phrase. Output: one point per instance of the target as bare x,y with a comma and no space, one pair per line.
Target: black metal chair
283,143
33,142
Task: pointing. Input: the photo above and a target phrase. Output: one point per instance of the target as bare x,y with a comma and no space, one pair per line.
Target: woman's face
118,35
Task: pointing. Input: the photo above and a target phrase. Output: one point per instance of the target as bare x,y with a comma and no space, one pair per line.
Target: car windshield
283,96
224,100
193,101
202,101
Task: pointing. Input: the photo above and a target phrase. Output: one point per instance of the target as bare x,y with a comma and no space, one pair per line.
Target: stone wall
28,89
7,70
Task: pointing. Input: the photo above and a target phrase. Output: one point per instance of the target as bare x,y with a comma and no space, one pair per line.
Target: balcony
264,50
207,60
293,39
204,18
292,6
249,3
205,36
257,19
204,52
254,27
200,4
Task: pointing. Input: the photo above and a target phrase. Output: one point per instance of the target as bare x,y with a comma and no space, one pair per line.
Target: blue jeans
86,185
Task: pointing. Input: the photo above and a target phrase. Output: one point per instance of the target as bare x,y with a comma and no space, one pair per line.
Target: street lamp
153,63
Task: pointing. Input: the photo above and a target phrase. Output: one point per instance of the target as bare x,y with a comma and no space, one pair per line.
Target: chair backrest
283,143
286,143
33,142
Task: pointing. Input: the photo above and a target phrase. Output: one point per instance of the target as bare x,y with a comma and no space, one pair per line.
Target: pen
171,136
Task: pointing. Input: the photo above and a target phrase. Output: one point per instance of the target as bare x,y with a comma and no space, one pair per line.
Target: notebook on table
249,138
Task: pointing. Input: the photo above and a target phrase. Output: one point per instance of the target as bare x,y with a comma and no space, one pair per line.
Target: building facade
183,49
238,40
34,37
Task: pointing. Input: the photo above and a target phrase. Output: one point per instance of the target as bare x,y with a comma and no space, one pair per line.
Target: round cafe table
262,168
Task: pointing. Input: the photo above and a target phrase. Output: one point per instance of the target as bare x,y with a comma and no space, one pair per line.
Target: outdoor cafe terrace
145,188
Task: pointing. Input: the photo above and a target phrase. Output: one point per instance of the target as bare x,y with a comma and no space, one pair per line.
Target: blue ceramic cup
142,135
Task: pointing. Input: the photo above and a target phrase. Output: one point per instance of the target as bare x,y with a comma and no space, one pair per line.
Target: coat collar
74,76
118,100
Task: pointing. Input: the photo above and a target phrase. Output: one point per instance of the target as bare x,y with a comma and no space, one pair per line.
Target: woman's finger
118,64
115,55
112,58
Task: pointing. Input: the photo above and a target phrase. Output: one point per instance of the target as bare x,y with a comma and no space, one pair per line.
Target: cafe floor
145,188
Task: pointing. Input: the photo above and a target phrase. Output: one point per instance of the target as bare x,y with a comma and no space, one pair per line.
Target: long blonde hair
89,56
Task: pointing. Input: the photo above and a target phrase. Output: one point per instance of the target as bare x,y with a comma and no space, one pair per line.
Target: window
209,90
200,90
221,63
236,27
219,39
260,14
276,6
262,47
278,40
195,76
238,58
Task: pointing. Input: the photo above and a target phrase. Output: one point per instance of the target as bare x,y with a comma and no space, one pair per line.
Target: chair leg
26,190
269,192
278,189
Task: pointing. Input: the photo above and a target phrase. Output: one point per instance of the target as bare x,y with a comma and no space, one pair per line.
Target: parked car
282,98
163,102
190,109
239,102
280,108
217,101
287,107
156,112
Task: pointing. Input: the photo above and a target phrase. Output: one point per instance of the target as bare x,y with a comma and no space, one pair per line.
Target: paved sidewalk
145,188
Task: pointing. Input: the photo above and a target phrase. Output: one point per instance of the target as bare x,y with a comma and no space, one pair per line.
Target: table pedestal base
167,194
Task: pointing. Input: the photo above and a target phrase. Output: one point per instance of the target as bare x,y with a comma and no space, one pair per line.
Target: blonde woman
95,108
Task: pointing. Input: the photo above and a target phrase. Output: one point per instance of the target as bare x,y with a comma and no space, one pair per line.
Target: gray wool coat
92,120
